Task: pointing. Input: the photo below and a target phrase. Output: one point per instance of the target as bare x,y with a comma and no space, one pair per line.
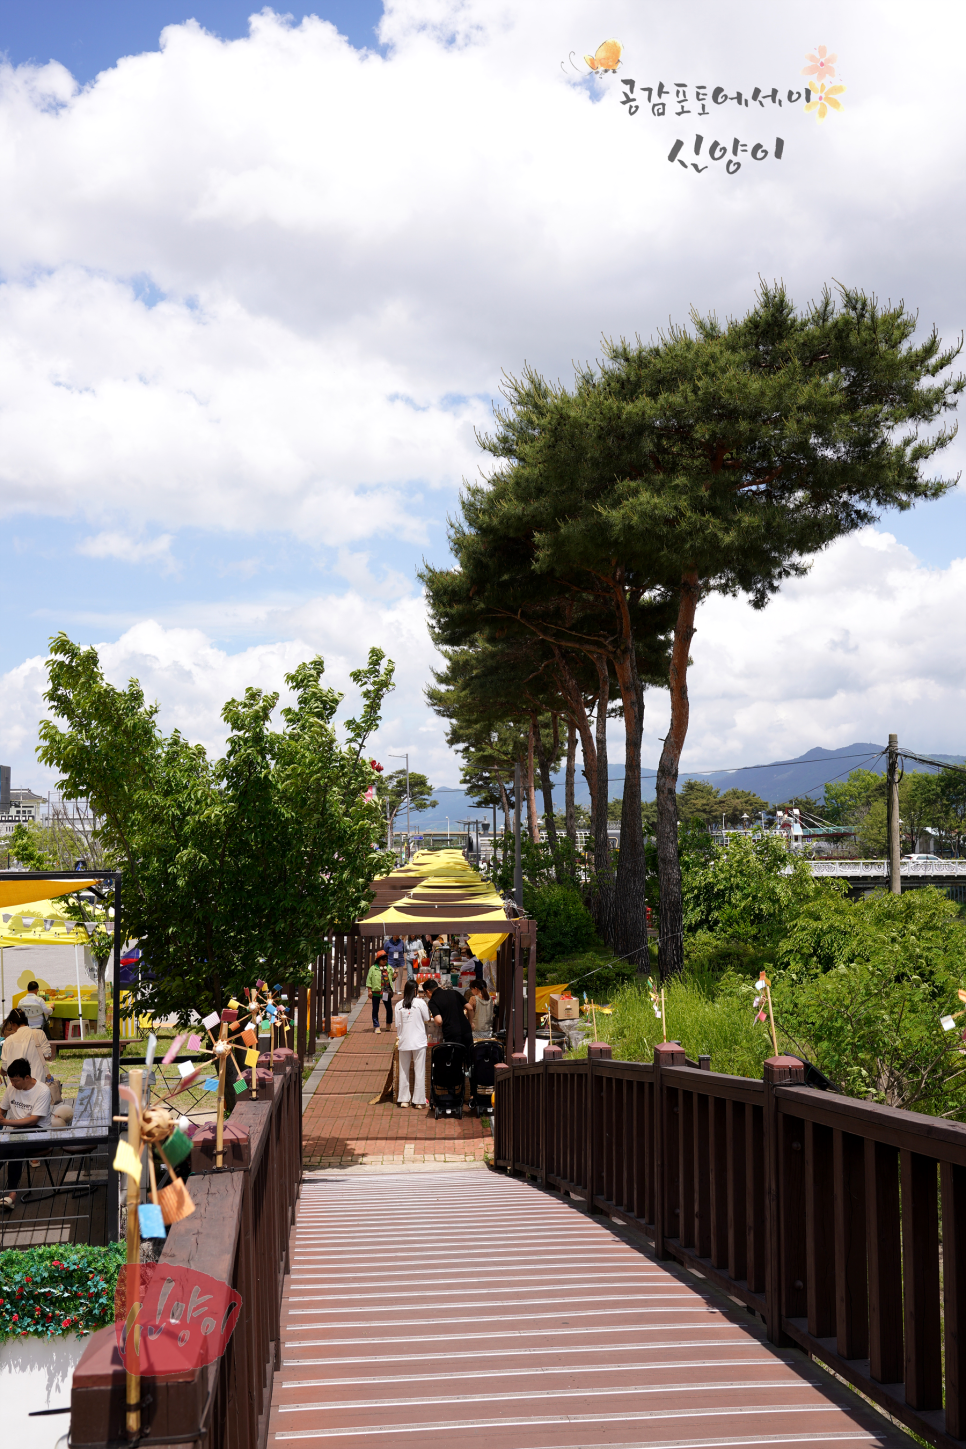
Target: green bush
47,1292
595,972
564,924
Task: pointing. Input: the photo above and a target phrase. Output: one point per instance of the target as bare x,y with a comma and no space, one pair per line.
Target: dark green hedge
46,1292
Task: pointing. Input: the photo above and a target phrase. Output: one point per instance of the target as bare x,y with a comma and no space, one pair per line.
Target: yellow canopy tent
24,920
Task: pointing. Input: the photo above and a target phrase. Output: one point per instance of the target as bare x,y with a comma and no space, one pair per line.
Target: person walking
395,948
35,1008
448,1009
380,985
414,950
412,1018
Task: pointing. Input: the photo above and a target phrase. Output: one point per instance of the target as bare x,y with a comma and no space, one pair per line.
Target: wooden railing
820,1212
240,1235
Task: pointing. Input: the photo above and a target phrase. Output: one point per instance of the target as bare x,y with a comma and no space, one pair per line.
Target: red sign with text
172,1320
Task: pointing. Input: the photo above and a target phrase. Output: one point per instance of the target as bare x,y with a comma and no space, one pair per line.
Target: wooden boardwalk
342,1129
467,1310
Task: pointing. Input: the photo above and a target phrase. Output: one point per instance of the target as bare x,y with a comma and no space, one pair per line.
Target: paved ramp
459,1309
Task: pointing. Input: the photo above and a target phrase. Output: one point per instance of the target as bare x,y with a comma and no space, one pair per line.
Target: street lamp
408,837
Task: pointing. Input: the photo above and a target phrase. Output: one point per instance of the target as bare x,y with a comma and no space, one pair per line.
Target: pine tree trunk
603,883
578,713
671,941
570,809
630,908
532,820
546,788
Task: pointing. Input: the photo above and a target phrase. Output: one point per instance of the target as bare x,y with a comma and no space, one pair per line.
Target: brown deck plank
540,1327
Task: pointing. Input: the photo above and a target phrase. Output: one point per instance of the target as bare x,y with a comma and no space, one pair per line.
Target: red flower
28,1280
16,1318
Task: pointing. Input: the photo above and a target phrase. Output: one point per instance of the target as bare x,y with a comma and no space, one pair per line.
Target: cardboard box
564,1008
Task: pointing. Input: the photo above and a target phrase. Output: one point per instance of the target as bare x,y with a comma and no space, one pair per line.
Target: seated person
21,1040
25,1103
34,1007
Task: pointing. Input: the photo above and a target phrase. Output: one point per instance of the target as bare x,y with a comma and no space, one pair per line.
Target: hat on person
382,955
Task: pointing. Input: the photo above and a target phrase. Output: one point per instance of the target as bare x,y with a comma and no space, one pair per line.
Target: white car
920,857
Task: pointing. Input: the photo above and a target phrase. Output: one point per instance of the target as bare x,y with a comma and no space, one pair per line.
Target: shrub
47,1292
564,924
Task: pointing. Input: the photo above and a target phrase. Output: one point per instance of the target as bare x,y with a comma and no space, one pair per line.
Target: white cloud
867,644
344,242
270,285
113,544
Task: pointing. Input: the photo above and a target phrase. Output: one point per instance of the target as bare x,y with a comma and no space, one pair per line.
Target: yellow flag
251,1057
127,1160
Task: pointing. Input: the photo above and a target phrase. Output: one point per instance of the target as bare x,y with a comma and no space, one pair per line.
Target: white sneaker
6,1202
377,1030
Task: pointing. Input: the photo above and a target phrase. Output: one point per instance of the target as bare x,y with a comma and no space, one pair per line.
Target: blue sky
257,290
89,36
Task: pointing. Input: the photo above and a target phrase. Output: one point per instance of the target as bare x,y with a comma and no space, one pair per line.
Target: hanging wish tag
127,1160
194,1042
251,1057
211,1084
211,1020
151,1221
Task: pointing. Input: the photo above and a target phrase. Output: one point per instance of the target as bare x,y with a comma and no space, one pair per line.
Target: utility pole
892,813
517,857
409,847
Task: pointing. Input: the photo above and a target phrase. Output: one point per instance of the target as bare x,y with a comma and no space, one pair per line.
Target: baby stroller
447,1078
486,1055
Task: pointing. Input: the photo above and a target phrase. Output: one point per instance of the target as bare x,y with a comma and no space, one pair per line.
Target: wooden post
666,1054
892,811
954,1295
301,1030
133,1399
779,1071
532,994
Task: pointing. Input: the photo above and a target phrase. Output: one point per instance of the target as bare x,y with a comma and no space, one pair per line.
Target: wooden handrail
818,1211
239,1234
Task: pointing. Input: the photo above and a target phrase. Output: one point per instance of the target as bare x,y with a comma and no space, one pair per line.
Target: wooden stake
771,1017
133,1399
593,1012
663,1014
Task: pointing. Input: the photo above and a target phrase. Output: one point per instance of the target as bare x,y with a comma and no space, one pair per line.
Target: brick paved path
341,1129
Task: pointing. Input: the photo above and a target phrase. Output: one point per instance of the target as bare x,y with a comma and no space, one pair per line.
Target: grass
722,1027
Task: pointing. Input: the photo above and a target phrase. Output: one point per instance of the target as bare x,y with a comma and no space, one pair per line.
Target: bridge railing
239,1234
841,1222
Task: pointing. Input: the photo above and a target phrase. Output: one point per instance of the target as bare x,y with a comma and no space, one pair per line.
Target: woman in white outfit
412,1016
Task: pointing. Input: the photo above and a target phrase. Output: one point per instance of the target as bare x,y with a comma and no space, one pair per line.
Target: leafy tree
699,800
26,846
862,991
950,797
564,924
392,794
232,868
847,801
747,889
736,803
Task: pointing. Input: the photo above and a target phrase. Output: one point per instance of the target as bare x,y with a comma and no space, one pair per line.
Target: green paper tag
241,1085
177,1147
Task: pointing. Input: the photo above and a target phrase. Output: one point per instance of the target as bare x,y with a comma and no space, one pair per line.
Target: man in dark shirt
448,1010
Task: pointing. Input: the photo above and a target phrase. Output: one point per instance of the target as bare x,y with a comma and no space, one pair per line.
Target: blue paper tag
270,1011
211,1084
151,1221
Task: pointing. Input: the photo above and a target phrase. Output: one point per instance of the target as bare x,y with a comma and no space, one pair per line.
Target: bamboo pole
220,1120
133,1415
663,1015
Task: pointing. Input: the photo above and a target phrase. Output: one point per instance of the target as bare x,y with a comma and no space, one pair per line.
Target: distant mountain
807,774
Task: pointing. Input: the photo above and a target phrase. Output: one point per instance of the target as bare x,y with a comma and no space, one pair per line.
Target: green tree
736,803
699,800
26,846
232,868
863,989
393,795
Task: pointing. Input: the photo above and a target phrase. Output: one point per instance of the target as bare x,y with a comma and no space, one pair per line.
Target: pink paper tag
172,1051
194,1042
128,1095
